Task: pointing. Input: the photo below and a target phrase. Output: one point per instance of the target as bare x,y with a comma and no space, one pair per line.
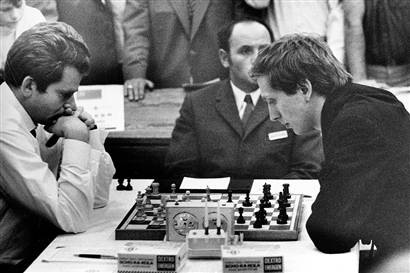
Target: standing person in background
171,42
47,7
42,188
378,41
15,17
323,17
93,19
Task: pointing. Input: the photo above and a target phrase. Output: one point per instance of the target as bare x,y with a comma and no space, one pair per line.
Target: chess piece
139,200
148,204
208,194
263,214
247,202
229,196
257,223
173,195
187,196
120,186
155,191
286,192
282,217
128,187
241,219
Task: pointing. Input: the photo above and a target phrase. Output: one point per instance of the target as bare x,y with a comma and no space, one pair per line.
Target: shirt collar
240,95
8,96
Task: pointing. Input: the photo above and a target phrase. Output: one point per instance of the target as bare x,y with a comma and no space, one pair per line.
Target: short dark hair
43,52
224,34
292,59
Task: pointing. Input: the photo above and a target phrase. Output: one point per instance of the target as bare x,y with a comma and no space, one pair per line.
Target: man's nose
71,104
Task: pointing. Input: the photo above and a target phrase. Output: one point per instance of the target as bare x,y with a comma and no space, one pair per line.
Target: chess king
365,180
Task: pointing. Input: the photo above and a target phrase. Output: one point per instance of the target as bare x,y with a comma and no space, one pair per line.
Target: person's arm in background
307,156
183,156
335,30
136,26
354,38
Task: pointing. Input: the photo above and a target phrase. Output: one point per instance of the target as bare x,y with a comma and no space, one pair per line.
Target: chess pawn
173,195
241,219
128,187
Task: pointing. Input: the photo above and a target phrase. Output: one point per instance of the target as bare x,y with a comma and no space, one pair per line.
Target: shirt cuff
76,152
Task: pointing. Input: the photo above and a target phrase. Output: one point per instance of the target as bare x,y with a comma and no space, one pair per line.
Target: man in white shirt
43,187
224,129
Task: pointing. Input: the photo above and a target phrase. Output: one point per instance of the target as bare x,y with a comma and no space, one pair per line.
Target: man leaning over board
219,134
44,189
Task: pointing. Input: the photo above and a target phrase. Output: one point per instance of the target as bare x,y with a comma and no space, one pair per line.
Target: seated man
46,188
218,134
365,181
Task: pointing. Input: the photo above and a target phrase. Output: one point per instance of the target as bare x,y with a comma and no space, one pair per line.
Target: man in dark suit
218,134
172,42
365,180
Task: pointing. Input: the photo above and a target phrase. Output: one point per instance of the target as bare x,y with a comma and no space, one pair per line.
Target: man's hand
134,89
74,123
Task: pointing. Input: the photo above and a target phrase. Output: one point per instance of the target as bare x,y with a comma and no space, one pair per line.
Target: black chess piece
229,196
286,192
263,214
120,186
128,187
247,202
241,219
257,223
282,217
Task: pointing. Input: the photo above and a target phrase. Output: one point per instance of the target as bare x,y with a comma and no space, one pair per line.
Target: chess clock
185,216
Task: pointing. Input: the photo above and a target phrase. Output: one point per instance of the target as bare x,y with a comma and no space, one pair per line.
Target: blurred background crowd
168,43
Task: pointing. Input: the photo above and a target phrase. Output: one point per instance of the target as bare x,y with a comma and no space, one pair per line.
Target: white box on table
141,257
257,259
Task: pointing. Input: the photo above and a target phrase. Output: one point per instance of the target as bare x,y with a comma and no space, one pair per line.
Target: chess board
272,231
130,229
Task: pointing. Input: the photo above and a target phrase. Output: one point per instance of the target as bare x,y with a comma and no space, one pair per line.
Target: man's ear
305,88
28,86
224,58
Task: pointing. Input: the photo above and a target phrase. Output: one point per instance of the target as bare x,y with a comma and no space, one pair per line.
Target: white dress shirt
240,98
33,183
322,17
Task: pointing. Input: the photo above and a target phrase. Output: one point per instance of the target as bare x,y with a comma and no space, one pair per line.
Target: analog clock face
184,222
212,221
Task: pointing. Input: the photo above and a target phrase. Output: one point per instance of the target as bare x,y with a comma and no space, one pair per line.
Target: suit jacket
161,44
208,141
94,21
365,180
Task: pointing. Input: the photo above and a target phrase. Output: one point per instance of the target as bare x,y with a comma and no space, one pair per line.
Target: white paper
105,103
309,187
189,183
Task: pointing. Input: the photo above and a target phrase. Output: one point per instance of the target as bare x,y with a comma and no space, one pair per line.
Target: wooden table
139,150
299,256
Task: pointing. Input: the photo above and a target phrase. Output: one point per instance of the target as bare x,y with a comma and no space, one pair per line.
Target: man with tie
224,129
171,42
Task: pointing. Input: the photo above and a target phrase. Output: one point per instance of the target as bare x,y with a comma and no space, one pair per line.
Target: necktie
248,110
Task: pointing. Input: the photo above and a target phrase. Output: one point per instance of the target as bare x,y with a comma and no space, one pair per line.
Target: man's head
11,12
44,68
295,75
239,43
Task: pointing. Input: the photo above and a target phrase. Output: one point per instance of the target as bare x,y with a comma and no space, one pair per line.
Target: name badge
278,135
